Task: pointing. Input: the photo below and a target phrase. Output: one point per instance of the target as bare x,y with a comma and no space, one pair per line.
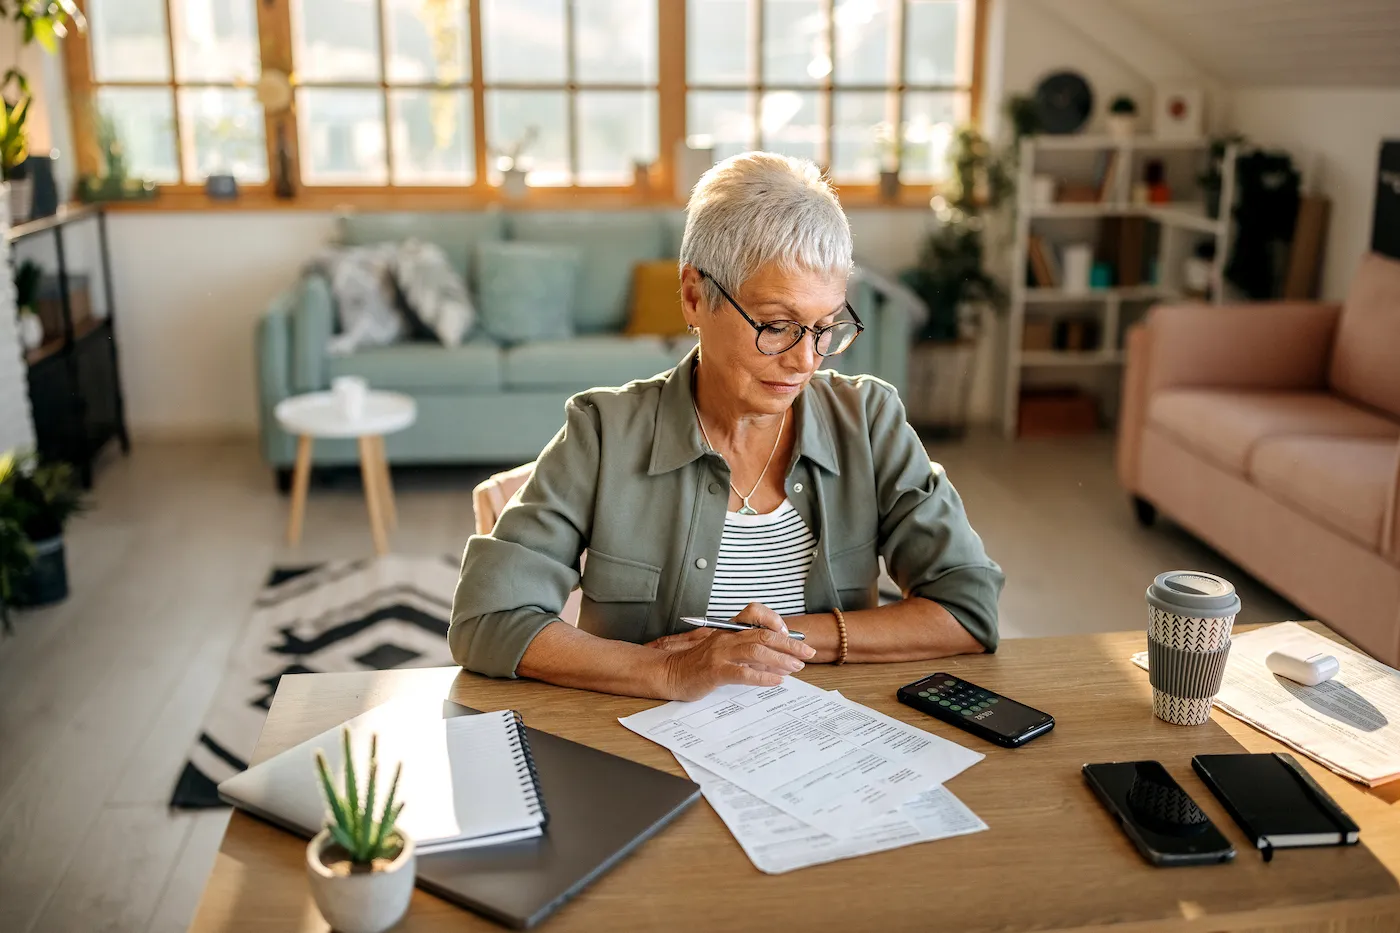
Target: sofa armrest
1273,345
272,353
1390,523
312,323
890,312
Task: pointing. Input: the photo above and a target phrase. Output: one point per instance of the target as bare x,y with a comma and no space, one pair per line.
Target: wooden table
1051,860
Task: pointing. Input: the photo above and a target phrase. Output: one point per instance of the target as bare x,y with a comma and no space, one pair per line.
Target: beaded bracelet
841,630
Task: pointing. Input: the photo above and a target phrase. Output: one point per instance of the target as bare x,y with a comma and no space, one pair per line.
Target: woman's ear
692,296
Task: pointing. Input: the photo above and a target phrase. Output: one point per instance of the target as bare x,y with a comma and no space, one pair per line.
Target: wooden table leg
301,479
391,512
369,477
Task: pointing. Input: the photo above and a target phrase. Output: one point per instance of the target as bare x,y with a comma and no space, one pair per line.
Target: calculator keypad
958,697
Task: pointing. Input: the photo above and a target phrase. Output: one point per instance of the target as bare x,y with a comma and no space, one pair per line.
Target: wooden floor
101,696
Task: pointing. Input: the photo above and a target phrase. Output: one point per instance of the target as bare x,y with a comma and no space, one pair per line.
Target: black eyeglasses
775,337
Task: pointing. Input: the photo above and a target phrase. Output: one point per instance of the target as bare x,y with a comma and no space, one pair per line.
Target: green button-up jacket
629,479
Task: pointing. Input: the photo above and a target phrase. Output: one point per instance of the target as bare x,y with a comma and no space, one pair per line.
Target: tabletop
322,414
1051,860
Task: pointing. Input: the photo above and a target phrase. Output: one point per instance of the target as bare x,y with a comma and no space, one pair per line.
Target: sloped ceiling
1296,43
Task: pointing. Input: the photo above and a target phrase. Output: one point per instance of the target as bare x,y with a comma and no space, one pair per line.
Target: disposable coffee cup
1189,618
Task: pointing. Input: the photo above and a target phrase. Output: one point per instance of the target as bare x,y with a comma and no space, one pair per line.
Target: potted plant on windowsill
510,163
1122,118
41,497
361,868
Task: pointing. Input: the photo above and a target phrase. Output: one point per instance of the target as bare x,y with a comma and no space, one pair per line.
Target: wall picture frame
1179,111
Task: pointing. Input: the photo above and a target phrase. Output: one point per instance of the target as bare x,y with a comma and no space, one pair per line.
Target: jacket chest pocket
855,572
621,592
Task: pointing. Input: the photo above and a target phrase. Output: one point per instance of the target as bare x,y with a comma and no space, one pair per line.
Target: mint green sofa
487,404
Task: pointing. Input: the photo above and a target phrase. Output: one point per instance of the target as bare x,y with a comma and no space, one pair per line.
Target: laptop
601,808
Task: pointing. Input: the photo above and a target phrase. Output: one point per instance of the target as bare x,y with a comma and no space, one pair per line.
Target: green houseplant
16,553
360,866
41,496
1122,118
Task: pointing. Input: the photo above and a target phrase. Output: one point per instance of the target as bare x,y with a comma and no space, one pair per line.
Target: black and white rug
375,614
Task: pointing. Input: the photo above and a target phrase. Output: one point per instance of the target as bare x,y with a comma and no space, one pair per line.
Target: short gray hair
758,208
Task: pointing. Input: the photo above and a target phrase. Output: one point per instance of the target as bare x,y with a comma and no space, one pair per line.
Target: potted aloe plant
361,868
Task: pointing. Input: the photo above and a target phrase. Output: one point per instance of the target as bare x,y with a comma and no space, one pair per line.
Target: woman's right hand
759,657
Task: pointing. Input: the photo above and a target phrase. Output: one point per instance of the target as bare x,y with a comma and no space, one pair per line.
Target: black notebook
1275,801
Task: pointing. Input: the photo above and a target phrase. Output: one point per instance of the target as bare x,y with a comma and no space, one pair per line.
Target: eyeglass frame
815,331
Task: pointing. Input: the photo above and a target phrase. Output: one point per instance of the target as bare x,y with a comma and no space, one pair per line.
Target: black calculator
985,714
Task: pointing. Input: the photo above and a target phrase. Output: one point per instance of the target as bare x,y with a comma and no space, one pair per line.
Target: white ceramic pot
365,902
1122,126
513,183
31,330
21,199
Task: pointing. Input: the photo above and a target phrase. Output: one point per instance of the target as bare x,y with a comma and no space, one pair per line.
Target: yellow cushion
656,300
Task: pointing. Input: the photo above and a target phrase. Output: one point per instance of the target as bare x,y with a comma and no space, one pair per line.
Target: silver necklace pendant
747,509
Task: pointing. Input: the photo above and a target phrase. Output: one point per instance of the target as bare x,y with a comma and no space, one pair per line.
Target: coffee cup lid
1193,592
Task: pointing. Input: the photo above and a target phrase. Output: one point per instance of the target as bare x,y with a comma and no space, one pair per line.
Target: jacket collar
677,441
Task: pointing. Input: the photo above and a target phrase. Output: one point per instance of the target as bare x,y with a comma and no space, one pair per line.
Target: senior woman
743,483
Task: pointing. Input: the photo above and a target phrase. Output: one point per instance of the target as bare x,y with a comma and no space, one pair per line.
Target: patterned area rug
376,614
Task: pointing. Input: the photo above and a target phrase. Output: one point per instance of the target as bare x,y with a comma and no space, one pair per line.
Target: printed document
833,764
1350,724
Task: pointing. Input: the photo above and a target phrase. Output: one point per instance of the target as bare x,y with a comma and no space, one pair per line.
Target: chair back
489,500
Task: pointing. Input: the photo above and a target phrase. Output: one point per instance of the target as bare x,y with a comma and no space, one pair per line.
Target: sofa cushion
656,300
1343,482
425,366
1225,425
527,291
1364,357
457,232
585,362
609,246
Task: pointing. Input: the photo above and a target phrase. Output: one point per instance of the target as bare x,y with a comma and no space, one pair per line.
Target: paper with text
830,763
1350,724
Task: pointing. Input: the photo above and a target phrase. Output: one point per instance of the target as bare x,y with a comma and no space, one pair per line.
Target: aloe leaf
337,811
386,821
352,791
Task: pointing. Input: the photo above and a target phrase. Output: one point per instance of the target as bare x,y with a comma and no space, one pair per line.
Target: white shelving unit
1182,224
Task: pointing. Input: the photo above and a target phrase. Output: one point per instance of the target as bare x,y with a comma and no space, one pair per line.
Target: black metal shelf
74,380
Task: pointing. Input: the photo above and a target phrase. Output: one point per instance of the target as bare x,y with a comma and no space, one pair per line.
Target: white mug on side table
350,409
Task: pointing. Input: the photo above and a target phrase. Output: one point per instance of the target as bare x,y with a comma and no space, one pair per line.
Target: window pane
726,117
864,31
129,41
342,136
216,40
615,40
615,129
795,47
791,124
222,132
717,42
144,120
861,141
336,40
929,120
932,53
523,40
432,137
428,41
537,118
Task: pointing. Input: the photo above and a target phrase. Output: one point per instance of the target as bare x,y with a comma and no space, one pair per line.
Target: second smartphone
1159,817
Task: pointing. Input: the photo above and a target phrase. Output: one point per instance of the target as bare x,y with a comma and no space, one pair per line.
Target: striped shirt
763,559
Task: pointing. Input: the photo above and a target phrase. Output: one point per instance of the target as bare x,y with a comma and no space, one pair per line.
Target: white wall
1334,135
16,423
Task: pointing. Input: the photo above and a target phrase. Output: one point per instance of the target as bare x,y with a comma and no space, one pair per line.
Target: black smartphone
984,713
1159,817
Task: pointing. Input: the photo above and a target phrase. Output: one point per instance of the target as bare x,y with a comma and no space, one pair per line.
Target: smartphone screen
1161,819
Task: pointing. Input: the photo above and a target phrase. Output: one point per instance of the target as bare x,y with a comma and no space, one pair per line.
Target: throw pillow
433,292
656,300
365,300
525,291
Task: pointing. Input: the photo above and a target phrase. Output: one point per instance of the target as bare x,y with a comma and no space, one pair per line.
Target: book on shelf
1107,175
1042,272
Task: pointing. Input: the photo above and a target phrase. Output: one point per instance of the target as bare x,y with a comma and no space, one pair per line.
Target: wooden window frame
274,23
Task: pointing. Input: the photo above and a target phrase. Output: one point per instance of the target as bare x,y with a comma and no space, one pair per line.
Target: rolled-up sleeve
928,545
516,580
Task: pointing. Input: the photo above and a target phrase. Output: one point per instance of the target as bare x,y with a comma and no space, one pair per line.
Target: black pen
705,622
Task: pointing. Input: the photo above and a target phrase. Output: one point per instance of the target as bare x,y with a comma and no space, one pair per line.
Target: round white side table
321,414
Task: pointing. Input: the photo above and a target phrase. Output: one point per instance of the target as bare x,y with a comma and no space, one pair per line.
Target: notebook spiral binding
525,767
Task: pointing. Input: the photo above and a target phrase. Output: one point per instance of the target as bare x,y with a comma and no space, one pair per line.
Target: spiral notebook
468,781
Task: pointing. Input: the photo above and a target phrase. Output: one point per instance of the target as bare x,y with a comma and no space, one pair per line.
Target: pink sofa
1272,432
